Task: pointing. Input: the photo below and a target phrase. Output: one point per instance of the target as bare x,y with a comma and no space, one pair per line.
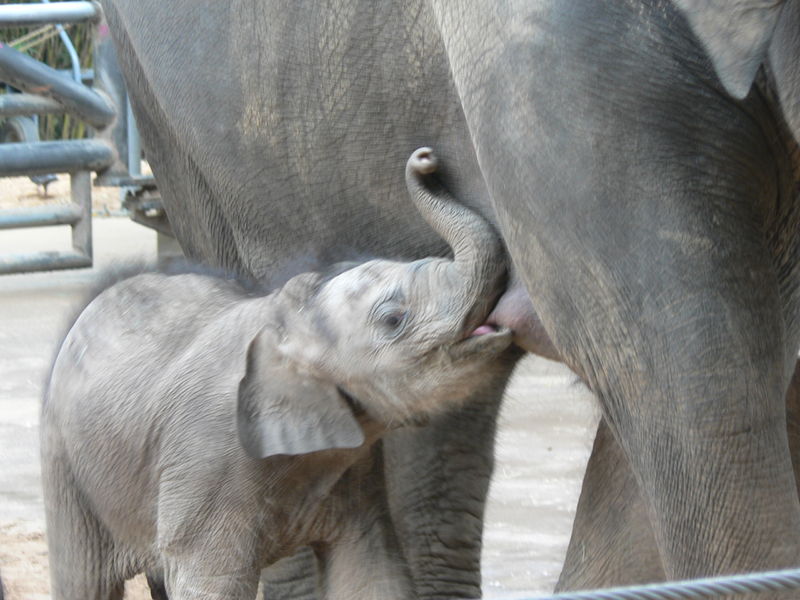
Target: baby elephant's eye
393,320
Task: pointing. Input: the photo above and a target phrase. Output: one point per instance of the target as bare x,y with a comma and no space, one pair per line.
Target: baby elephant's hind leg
82,557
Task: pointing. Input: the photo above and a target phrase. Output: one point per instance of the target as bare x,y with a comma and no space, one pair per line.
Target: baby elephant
198,432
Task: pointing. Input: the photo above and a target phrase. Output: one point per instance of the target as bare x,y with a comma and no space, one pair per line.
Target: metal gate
113,152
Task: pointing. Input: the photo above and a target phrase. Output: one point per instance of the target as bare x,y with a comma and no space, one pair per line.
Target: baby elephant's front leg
364,561
191,578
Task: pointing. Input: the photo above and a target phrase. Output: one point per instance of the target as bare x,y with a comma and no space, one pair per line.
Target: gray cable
712,587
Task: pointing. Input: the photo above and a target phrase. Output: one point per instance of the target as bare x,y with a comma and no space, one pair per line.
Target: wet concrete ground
545,434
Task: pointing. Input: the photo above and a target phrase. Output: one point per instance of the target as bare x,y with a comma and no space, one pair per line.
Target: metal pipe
28,74
40,158
41,216
19,105
87,75
24,15
73,54
42,261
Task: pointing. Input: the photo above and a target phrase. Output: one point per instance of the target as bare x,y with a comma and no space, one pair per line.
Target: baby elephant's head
396,341
404,339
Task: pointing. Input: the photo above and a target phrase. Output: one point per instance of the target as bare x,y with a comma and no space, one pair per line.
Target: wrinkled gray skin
200,433
641,176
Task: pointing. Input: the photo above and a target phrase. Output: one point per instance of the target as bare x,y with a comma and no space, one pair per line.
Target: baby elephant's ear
281,411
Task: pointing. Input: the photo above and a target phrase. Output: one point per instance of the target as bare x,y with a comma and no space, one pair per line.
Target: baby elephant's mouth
483,330
486,339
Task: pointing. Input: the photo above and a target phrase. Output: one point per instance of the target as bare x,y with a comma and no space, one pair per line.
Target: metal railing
24,15
29,75
695,589
77,214
48,91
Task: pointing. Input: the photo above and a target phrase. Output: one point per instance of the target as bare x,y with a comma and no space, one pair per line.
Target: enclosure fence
35,88
711,587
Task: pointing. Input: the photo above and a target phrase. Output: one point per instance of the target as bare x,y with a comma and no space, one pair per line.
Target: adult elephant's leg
295,577
612,541
793,422
635,205
438,479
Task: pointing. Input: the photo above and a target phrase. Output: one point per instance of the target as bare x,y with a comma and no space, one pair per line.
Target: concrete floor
545,433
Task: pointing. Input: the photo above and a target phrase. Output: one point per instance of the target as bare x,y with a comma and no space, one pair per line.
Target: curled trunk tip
423,161
478,260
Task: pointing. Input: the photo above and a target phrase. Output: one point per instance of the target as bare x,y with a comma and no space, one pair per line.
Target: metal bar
18,105
141,181
24,15
40,216
73,54
41,158
78,214
87,75
42,261
28,74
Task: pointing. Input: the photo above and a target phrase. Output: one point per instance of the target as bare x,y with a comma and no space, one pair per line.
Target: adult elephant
637,158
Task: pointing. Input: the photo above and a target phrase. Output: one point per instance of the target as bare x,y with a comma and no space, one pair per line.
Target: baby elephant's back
132,333
104,407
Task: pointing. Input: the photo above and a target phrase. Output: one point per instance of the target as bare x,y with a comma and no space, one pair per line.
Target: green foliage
44,44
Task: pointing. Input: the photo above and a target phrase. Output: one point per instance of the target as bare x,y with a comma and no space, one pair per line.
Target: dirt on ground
23,554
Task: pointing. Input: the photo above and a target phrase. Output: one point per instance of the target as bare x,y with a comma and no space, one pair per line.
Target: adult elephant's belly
282,148
280,167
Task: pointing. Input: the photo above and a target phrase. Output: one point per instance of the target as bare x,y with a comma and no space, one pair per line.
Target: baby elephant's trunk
479,259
